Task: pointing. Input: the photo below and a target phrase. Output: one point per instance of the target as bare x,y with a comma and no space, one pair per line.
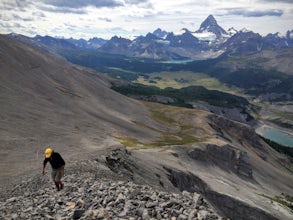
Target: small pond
276,135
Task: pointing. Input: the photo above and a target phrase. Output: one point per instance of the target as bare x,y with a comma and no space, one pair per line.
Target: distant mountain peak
151,36
245,30
231,31
209,21
211,25
160,33
289,34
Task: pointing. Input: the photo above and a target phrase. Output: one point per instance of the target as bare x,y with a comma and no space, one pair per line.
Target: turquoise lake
277,136
178,61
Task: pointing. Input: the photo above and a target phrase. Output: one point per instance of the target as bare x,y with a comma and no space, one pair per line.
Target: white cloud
105,18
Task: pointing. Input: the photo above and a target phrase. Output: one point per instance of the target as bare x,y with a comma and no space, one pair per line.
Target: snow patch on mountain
245,30
166,42
180,32
205,36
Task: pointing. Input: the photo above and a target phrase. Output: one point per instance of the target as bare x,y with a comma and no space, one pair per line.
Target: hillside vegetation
183,96
251,78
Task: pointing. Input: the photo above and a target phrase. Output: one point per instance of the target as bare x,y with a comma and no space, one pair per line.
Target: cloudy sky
129,18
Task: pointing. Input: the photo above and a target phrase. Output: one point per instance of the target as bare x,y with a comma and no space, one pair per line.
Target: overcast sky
128,18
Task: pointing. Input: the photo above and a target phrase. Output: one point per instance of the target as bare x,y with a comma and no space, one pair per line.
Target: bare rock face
242,166
235,114
226,157
120,162
225,205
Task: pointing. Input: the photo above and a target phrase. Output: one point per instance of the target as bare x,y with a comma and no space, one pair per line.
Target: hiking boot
57,186
61,186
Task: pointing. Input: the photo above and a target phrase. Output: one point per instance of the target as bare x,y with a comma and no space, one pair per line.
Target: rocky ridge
88,196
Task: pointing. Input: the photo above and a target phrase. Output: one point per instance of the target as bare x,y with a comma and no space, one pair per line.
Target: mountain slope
46,101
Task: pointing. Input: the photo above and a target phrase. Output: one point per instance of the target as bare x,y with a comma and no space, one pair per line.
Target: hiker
57,164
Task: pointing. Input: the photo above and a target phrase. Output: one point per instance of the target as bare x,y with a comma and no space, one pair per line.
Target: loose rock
85,196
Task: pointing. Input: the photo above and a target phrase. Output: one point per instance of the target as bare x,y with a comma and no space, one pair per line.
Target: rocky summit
88,196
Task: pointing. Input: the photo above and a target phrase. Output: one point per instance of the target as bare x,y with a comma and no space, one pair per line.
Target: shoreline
261,130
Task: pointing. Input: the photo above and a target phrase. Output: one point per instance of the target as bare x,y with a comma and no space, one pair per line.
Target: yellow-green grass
161,117
283,199
183,79
168,139
282,114
178,132
128,141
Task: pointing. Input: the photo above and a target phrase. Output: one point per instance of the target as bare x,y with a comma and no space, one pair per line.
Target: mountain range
209,41
259,66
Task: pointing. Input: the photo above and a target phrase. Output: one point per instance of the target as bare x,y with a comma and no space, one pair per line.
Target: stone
182,217
202,215
145,215
14,216
13,199
71,205
88,196
77,214
192,214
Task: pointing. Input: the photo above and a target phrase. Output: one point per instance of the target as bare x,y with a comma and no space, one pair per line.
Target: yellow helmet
48,152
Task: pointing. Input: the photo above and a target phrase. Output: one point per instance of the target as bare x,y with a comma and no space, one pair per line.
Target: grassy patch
283,199
182,79
128,141
175,139
161,117
167,140
180,135
282,114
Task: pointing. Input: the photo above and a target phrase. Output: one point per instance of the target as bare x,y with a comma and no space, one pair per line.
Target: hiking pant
56,174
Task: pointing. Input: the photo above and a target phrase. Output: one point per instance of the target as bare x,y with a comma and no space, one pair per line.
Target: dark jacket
55,160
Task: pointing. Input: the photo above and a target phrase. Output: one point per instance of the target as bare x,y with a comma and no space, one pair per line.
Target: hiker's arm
44,165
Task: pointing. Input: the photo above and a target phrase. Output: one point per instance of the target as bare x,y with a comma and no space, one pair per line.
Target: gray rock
77,214
182,217
145,215
202,214
87,196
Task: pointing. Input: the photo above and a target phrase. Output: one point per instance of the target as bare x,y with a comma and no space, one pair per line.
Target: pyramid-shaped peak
210,21
210,25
